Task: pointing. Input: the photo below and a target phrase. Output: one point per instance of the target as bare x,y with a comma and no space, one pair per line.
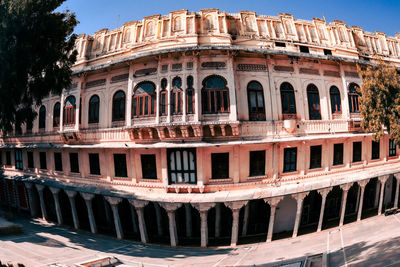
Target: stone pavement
371,242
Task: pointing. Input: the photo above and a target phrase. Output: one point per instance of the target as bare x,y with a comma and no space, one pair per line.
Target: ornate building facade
207,128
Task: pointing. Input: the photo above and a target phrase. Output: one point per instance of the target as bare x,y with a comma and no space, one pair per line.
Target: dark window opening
215,95
315,157
94,163
8,158
30,160
182,166
257,163
43,160
280,44
18,159
336,105
120,165
118,106
304,49
144,100
163,98
56,114
69,111
58,162
314,108
290,159
375,150
149,167
353,98
327,52
94,106
190,101
357,148
42,117
255,96
219,165
337,154
74,162
288,99
392,148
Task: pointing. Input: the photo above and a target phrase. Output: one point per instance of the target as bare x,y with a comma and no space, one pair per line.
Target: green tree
36,55
380,100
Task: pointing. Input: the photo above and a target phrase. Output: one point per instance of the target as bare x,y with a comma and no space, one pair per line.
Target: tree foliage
380,100
36,55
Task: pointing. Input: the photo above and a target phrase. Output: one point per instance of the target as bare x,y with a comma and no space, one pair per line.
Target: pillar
396,196
188,220
171,208
235,207
345,188
55,192
158,219
382,180
362,185
139,206
217,219
88,200
32,206
203,209
245,219
40,189
114,201
299,198
71,196
323,192
133,215
273,203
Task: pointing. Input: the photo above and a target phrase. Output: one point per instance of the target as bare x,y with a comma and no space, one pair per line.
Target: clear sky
371,15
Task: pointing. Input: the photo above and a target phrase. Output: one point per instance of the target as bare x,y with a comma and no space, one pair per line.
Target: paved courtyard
371,242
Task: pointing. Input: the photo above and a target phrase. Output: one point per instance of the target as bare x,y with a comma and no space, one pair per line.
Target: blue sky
371,15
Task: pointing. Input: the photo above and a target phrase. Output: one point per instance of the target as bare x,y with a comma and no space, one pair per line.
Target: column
188,215
362,185
299,198
114,201
158,219
88,200
197,89
40,189
273,203
245,219
232,89
235,207
133,215
345,188
171,208
323,192
71,196
139,206
55,192
128,111
217,219
396,196
382,180
32,206
203,208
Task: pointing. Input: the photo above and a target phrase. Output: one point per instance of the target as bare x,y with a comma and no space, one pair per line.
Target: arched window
353,98
42,117
287,99
163,97
56,114
336,105
176,96
177,24
215,95
69,110
118,106
314,109
144,100
189,95
255,97
94,105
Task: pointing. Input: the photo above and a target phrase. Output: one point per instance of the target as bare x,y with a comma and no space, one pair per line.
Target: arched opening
389,193
118,106
82,212
176,96
50,205
310,213
56,115
336,102
288,101
128,218
215,95
163,98
94,107
353,98
69,110
332,208
314,108
157,223
371,198
353,200
144,100
42,118
65,208
188,225
219,225
190,98
35,200
255,97
103,216
256,227
285,217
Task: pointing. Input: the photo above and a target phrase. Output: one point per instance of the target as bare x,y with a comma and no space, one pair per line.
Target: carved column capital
345,187
300,196
383,178
39,187
70,193
138,204
113,200
170,207
324,192
54,190
237,205
273,201
363,183
203,207
397,176
87,196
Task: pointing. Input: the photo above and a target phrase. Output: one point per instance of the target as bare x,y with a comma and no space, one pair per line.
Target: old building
207,128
